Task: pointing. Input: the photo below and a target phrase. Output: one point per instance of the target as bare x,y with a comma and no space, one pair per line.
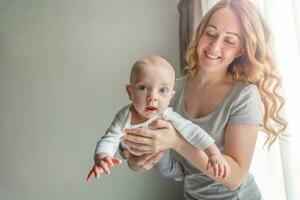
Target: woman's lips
212,56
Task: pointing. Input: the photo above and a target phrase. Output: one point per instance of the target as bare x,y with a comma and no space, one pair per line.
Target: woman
231,77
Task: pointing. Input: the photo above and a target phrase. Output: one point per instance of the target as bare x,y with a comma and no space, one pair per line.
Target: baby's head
151,85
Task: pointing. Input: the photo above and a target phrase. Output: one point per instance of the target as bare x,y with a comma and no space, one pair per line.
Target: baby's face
152,90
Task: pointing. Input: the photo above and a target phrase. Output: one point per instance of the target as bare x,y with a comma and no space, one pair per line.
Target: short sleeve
247,109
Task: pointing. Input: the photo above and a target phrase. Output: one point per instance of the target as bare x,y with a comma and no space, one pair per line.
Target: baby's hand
103,162
219,165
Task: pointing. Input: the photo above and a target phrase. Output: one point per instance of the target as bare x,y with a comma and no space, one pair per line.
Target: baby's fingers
221,170
216,169
94,172
209,165
90,175
226,171
116,161
104,167
109,161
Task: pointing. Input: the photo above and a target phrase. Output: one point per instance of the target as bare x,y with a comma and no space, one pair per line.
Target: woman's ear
239,53
128,89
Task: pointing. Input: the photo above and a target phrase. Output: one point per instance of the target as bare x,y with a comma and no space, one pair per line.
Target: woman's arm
238,148
143,162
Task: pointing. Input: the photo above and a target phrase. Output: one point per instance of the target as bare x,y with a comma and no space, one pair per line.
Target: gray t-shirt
242,105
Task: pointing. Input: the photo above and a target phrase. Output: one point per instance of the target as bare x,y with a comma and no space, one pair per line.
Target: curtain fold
190,15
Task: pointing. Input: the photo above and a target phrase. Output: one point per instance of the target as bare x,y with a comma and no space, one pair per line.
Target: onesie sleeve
247,108
191,132
110,141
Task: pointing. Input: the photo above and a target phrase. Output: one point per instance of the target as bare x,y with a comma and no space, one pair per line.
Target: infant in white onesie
151,88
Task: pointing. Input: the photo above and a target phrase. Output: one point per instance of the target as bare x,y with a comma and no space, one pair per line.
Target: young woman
231,91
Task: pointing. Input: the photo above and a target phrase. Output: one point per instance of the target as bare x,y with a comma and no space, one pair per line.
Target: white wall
63,68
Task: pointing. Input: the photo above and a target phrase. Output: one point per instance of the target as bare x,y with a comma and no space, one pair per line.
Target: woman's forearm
199,159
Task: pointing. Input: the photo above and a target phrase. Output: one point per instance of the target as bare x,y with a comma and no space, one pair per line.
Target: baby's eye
164,90
143,88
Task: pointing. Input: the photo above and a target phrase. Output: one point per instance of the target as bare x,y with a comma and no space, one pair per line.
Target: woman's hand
143,162
160,136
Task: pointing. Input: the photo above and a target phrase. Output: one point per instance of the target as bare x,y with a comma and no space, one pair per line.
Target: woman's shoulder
245,94
245,88
246,104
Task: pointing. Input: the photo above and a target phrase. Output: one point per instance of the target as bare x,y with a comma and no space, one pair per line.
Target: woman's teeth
212,56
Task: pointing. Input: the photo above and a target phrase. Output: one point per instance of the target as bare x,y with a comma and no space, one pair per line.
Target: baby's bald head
153,61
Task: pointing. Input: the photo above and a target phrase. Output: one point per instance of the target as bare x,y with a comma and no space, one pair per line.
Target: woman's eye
164,90
209,34
230,41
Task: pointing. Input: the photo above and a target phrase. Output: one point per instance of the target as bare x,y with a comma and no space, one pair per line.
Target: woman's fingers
141,148
143,162
155,158
158,124
139,131
139,151
137,139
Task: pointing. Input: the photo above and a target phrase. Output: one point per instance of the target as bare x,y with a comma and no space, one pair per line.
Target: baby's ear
128,89
173,93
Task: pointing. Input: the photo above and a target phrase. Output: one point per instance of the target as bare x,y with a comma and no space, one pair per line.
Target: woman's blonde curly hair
255,65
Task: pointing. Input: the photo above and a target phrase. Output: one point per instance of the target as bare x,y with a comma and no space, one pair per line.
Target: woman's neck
204,78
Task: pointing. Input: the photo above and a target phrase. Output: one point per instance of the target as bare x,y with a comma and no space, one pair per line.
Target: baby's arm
198,137
191,132
108,145
103,163
217,162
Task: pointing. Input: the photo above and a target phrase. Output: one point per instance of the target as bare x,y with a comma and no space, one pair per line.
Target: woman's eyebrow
232,33
228,32
212,26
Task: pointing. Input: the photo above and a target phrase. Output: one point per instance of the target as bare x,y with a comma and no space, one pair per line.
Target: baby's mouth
150,108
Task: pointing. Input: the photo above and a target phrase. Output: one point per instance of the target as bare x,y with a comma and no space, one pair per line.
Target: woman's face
221,41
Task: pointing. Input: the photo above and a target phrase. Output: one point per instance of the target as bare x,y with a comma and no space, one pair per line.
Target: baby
151,88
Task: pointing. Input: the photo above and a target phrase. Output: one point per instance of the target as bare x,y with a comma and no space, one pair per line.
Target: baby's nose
151,99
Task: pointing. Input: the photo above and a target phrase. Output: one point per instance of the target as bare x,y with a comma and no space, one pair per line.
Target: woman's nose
216,45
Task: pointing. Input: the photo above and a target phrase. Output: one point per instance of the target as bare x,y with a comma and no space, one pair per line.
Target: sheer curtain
277,170
283,18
